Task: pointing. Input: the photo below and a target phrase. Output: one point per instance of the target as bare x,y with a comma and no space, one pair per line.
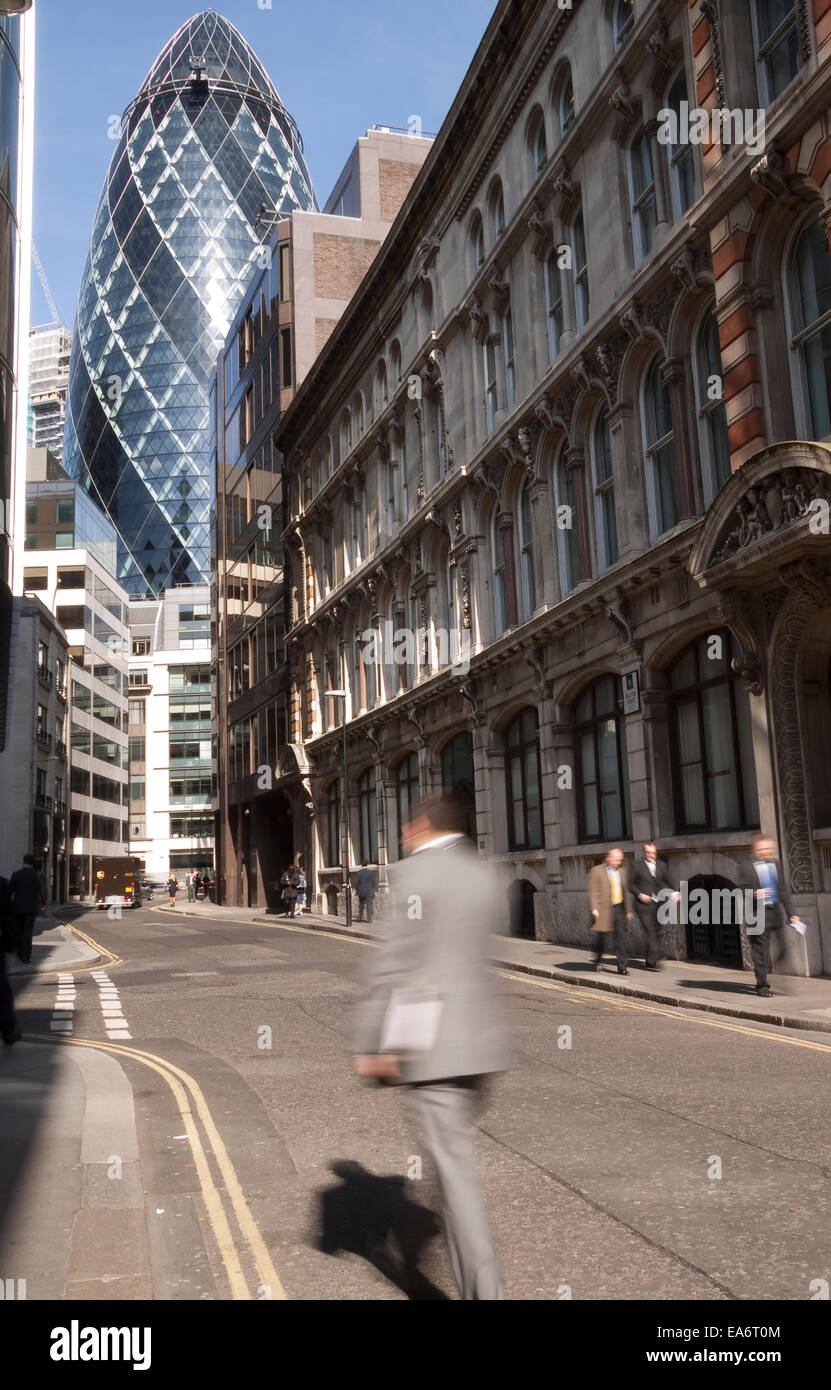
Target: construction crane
44,284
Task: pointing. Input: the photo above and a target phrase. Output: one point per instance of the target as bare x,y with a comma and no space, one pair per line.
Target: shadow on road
356,1215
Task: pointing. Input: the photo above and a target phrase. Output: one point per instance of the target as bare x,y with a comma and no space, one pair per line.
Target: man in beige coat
610,901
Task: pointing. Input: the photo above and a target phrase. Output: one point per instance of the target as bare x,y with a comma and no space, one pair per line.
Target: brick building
589,364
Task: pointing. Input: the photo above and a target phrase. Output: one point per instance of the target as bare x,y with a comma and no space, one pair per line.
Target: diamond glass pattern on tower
203,147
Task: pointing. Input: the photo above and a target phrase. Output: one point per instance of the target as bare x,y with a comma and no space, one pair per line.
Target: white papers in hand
412,1021
799,926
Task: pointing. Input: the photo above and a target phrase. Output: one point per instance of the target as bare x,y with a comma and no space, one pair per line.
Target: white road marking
63,1010
114,1021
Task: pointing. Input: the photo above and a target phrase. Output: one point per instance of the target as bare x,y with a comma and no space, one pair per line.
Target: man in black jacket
762,874
27,901
650,884
9,1029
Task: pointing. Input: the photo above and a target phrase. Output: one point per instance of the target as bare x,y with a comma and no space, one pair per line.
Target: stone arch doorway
718,935
457,775
521,908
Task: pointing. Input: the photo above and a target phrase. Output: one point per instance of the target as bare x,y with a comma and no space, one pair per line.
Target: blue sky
340,66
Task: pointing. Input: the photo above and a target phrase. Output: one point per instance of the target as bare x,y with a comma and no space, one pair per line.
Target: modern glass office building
203,149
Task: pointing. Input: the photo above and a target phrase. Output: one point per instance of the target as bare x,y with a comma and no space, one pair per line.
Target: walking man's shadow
375,1218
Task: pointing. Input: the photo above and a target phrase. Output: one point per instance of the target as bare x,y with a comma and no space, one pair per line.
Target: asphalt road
632,1152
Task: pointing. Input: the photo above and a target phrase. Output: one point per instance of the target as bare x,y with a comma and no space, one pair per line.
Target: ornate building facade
572,435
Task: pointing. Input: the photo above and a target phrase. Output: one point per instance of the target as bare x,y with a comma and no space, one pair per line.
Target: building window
810,300
141,646
136,746
284,254
523,784
644,201
604,493
285,358
580,271
368,807
64,540
603,792
510,359
566,105
526,554
564,501
194,626
539,147
138,678
333,831
624,20
65,511
777,47
491,398
497,207
457,775
31,512
553,305
712,749
408,792
712,415
477,238
660,453
381,393
681,158
395,363
138,789
500,616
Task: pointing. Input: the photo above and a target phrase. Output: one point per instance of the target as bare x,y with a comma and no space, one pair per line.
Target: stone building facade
577,417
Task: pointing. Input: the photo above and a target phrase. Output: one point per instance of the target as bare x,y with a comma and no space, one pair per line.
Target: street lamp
338,695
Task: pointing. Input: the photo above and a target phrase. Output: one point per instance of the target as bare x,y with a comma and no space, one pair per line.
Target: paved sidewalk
54,947
797,1002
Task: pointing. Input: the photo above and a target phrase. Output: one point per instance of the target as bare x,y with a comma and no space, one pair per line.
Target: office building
315,263
591,476
203,148
49,352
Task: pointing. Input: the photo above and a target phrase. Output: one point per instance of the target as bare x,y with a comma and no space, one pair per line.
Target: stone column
506,530
545,576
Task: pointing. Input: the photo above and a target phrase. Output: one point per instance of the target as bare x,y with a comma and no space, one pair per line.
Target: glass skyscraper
205,145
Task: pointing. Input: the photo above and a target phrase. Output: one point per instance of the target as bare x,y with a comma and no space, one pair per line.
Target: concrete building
49,352
312,265
171,822
571,437
17,61
34,765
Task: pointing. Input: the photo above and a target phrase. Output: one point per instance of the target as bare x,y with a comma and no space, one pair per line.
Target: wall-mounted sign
631,692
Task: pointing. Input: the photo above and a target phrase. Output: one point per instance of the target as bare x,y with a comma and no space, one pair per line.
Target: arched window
624,20
580,270
358,416
457,774
408,791
553,304
327,458
712,748
777,46
381,394
660,453
526,554
510,358
566,518
333,830
566,105
712,415
491,388
539,145
810,302
368,808
496,204
345,434
603,799
500,617
395,363
523,783
644,202
605,518
681,158
477,242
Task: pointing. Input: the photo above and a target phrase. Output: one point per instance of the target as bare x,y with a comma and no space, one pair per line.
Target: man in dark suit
27,901
9,1029
762,874
650,884
365,881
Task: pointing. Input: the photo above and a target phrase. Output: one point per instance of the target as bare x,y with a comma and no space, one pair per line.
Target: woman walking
172,889
288,883
300,884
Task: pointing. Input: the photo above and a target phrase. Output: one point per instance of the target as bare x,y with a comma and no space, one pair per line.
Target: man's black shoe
764,991
11,1038
622,971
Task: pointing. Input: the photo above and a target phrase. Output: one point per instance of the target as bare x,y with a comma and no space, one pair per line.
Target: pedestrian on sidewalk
191,882
445,1041
611,907
172,890
651,885
28,901
198,884
365,882
771,945
8,941
300,884
288,886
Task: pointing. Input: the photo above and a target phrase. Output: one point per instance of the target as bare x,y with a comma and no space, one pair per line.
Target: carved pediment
778,501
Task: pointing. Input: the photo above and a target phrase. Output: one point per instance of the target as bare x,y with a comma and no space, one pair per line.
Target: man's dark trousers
8,1022
769,945
365,902
648,918
619,936
24,928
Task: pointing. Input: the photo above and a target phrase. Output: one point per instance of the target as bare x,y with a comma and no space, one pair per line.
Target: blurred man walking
611,906
432,1019
651,884
27,901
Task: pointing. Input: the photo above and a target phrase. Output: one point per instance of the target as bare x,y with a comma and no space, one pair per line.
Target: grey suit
446,908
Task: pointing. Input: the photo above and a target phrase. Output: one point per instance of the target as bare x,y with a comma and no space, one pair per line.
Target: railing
42,801
43,738
60,748
60,808
62,690
45,674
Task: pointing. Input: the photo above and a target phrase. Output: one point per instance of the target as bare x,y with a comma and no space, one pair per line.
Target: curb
15,971
809,1025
